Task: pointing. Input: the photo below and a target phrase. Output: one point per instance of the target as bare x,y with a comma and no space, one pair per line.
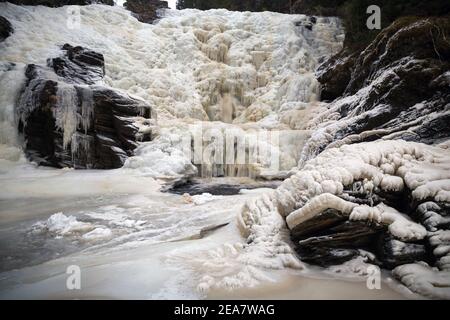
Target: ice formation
203,198
399,225
233,67
420,278
97,233
381,165
61,225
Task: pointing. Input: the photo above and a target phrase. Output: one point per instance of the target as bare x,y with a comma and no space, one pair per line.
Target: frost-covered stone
422,279
69,120
379,196
378,95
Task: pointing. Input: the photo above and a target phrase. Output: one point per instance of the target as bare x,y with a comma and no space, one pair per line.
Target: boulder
394,252
68,120
5,28
337,244
145,10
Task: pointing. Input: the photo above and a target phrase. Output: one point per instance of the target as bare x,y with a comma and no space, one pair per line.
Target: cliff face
396,88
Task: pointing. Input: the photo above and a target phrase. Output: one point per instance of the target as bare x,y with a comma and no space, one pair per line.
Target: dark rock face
58,3
5,28
79,65
330,238
68,121
419,40
397,88
335,244
412,38
394,252
194,187
146,10
335,74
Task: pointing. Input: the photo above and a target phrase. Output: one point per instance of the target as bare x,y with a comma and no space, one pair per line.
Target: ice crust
385,165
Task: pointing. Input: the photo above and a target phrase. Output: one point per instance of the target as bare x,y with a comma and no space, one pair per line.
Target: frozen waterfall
238,68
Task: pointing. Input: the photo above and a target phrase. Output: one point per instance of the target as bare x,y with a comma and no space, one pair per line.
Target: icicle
66,112
11,81
87,108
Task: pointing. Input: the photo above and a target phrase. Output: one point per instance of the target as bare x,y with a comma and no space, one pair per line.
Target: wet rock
317,238
393,252
146,10
330,238
335,74
79,65
5,28
326,257
196,187
67,120
322,221
333,240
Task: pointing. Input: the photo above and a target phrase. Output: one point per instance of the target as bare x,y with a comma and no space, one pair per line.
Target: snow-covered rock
69,120
378,94
372,196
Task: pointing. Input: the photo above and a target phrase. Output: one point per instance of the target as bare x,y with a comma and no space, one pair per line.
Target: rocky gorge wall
369,185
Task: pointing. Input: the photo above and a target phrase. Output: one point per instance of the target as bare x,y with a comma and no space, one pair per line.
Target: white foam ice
98,233
216,65
388,165
61,225
201,198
